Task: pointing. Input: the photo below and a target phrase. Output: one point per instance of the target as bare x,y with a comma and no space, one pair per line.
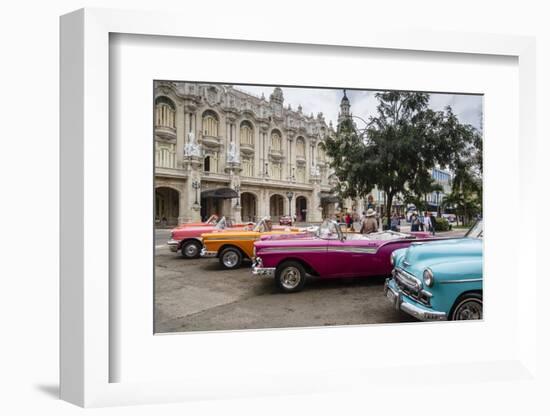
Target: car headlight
392,259
428,278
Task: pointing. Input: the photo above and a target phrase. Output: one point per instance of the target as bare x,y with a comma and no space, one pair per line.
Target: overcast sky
468,108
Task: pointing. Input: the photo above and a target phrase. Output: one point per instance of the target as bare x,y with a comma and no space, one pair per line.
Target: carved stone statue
232,155
192,148
315,171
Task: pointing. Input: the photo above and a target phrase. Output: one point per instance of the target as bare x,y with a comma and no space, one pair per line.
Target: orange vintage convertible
232,247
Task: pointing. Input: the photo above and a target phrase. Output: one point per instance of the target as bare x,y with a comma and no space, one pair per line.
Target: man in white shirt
427,222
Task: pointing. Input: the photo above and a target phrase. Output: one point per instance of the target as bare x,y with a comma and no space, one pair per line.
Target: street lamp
196,186
438,205
289,195
237,189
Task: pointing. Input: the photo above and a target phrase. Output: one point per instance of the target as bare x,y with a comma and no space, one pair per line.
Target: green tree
404,141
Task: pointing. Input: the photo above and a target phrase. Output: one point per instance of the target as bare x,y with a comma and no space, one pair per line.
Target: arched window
247,133
321,152
210,124
300,147
276,140
276,170
165,112
211,162
301,174
165,155
248,167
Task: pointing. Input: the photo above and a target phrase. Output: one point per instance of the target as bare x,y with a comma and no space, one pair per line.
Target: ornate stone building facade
221,150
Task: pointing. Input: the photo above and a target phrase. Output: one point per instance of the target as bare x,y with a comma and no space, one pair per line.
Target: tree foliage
402,143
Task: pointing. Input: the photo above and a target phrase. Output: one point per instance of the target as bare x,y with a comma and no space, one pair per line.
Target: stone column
180,135
264,204
189,210
234,169
315,212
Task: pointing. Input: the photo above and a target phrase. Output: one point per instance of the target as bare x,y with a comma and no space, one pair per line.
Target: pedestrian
421,221
348,220
394,225
369,223
432,220
427,222
415,222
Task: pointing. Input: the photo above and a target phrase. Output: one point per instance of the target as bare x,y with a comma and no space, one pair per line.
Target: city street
198,295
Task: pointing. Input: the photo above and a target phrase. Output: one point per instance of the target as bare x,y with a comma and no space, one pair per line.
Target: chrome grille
411,286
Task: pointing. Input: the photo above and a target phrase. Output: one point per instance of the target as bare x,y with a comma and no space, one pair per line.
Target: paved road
161,236
197,295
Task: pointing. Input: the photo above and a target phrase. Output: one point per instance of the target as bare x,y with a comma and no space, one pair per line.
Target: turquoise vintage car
439,280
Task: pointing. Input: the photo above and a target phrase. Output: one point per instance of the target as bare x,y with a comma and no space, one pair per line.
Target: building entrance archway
248,207
301,209
167,206
276,207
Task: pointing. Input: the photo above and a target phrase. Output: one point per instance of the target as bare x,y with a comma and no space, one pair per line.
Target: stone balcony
165,132
276,154
247,148
211,141
300,160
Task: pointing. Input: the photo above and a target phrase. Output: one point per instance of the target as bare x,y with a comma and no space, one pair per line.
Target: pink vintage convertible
329,253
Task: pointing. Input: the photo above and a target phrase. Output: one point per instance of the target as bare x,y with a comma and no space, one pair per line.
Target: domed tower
277,96
276,100
344,109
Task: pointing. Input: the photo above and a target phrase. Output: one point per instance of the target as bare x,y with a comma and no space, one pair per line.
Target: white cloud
468,108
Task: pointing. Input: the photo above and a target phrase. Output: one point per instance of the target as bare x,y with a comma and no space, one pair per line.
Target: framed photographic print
273,213
247,176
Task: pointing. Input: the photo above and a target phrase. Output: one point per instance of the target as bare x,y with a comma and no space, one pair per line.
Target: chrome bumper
424,314
206,253
173,245
263,271
258,269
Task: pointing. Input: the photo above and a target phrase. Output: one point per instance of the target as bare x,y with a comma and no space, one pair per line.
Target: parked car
233,247
440,280
329,253
188,239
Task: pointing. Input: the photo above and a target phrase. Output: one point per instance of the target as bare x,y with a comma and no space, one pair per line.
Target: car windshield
221,224
329,230
476,231
387,235
263,225
212,219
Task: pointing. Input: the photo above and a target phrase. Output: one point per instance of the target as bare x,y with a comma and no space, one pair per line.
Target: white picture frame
86,355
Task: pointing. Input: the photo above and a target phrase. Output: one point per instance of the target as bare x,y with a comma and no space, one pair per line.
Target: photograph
282,206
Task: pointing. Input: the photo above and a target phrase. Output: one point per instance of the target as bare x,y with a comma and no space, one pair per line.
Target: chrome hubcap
290,277
191,250
470,309
230,259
